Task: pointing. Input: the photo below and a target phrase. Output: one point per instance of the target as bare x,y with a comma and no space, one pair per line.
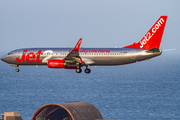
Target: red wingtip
153,37
76,48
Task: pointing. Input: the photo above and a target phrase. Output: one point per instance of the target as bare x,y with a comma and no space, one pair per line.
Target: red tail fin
153,37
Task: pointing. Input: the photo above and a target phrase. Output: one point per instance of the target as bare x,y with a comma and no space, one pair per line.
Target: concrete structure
11,116
67,111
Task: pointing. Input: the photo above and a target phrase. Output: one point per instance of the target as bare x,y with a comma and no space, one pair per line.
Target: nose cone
6,59
3,59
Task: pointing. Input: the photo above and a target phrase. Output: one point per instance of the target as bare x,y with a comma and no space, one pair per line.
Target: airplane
76,58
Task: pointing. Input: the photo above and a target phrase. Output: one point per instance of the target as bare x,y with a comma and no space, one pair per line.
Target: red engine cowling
55,63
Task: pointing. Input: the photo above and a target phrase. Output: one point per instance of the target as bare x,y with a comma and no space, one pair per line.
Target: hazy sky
101,23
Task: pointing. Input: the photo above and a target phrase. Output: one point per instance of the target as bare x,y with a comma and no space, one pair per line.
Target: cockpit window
10,53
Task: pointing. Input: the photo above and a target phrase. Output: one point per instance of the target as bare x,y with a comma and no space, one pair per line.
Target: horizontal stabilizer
155,49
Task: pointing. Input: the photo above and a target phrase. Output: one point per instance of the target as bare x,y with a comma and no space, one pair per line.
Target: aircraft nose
3,59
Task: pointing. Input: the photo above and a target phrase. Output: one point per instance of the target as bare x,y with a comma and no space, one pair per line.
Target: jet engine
55,63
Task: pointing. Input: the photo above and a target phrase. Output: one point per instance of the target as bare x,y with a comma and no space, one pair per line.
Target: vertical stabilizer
153,37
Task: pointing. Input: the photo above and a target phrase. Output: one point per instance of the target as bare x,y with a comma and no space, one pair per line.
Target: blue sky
101,23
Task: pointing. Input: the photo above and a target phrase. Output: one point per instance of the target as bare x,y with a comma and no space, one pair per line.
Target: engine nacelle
55,63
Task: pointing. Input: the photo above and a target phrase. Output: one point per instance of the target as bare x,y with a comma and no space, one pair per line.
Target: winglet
153,37
76,48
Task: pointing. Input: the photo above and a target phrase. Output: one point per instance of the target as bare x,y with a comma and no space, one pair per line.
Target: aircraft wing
73,56
88,61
